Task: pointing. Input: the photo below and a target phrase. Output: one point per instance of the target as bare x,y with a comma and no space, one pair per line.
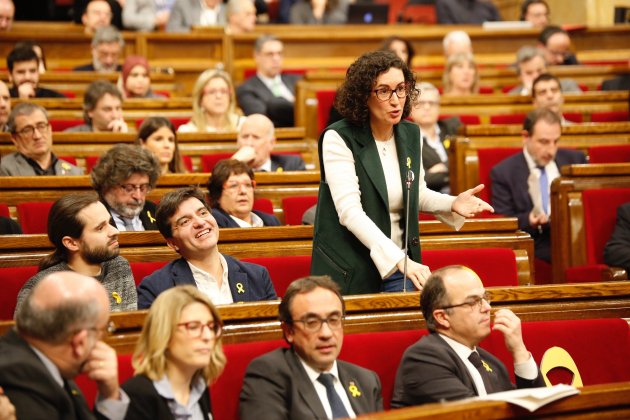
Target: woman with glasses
231,189
158,135
178,355
214,105
372,179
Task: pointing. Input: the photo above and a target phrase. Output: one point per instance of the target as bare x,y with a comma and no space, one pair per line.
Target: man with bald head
447,364
7,12
58,334
256,139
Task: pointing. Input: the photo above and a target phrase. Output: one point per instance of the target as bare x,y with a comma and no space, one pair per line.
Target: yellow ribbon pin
240,288
408,162
151,219
116,297
280,169
486,366
447,144
354,390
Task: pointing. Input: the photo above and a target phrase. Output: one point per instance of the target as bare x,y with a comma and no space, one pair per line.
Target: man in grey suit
32,136
188,13
307,381
269,92
447,364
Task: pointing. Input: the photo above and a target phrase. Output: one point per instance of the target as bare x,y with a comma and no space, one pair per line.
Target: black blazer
254,97
225,221
431,371
280,163
90,67
147,215
146,404
618,83
9,226
617,250
437,181
40,92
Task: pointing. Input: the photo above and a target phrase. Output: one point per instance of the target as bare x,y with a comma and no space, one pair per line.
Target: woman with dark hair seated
231,189
158,135
399,46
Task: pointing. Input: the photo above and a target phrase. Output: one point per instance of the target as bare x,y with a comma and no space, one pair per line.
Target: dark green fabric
336,251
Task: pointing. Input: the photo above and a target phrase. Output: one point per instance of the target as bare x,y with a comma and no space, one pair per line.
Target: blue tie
337,407
544,189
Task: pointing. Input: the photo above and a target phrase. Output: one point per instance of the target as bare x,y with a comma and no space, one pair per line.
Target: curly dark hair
352,96
221,172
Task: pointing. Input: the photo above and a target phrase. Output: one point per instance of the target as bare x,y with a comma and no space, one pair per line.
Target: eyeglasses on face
233,186
314,323
474,302
130,188
186,221
29,130
194,329
385,93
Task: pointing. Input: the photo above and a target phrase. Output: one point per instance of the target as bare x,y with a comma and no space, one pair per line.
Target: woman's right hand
416,272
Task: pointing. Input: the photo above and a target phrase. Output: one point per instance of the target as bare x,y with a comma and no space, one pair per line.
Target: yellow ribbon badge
240,288
116,297
354,390
408,162
447,144
280,169
486,366
151,218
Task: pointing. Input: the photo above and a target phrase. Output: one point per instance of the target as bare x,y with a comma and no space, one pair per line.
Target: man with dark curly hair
123,177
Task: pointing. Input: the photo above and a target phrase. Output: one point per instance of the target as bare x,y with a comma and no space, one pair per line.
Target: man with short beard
85,242
123,177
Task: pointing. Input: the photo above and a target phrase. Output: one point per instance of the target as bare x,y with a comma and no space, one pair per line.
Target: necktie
544,188
337,407
276,89
128,224
475,359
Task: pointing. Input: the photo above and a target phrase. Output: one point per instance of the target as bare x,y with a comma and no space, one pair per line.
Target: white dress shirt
209,285
120,224
256,221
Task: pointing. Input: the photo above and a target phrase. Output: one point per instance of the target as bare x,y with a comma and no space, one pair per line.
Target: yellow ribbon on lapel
486,366
116,297
408,162
354,390
240,288
151,218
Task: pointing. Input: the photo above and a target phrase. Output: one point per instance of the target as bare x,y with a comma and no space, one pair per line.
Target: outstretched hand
468,205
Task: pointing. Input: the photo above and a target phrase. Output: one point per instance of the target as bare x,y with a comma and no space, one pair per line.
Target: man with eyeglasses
32,136
59,334
123,177
306,381
447,364
185,220
556,44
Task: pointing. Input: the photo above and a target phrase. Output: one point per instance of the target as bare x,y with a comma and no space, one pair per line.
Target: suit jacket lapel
239,283
181,273
356,394
368,156
461,367
305,386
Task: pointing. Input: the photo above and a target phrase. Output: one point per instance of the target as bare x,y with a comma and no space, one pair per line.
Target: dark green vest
336,251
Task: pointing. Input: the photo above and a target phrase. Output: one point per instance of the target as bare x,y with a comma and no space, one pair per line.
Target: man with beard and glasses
123,177
85,242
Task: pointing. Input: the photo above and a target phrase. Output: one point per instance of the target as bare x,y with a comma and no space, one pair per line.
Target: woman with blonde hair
461,76
178,355
214,104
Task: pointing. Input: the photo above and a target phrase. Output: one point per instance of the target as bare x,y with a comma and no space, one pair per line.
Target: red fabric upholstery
142,269
487,158
466,119
226,390
325,99
599,220
88,387
609,154
13,278
584,273
62,124
418,13
4,210
283,270
294,208
495,266
486,90
90,162
263,204
575,117
69,159
543,273
208,161
610,116
599,347
33,216
188,163
507,119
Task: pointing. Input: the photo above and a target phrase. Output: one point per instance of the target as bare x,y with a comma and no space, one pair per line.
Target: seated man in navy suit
185,220
447,364
256,139
520,183
231,190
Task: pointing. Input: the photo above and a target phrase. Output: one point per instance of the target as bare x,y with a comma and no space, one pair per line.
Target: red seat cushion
142,269
188,163
33,216
294,208
62,124
325,99
69,159
263,204
610,116
507,119
487,158
4,210
13,278
466,119
599,220
575,117
90,162
609,154
283,270
208,161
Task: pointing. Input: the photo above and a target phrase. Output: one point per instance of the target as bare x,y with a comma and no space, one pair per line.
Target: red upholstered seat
142,269
33,216
325,99
62,124
13,278
487,158
88,387
263,204
294,208
466,119
610,116
69,159
507,119
208,161
4,210
575,117
495,266
283,270
188,163
90,162
599,222
609,154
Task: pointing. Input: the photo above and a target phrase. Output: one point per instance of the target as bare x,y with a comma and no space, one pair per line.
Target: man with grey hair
123,177
269,92
58,334
256,139
107,47
531,63
241,16
7,12
32,136
456,42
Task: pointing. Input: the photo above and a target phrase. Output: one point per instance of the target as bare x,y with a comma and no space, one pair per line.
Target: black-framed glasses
29,130
474,303
194,329
130,188
185,221
384,93
313,323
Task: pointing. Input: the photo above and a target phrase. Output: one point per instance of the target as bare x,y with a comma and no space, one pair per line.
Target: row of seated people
422,368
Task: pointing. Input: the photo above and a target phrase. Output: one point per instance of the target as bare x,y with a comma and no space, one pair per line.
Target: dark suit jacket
255,98
147,215
618,83
90,67
280,163
438,180
146,404
431,371
510,194
225,221
617,250
40,92
254,279
276,386
31,388
9,226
